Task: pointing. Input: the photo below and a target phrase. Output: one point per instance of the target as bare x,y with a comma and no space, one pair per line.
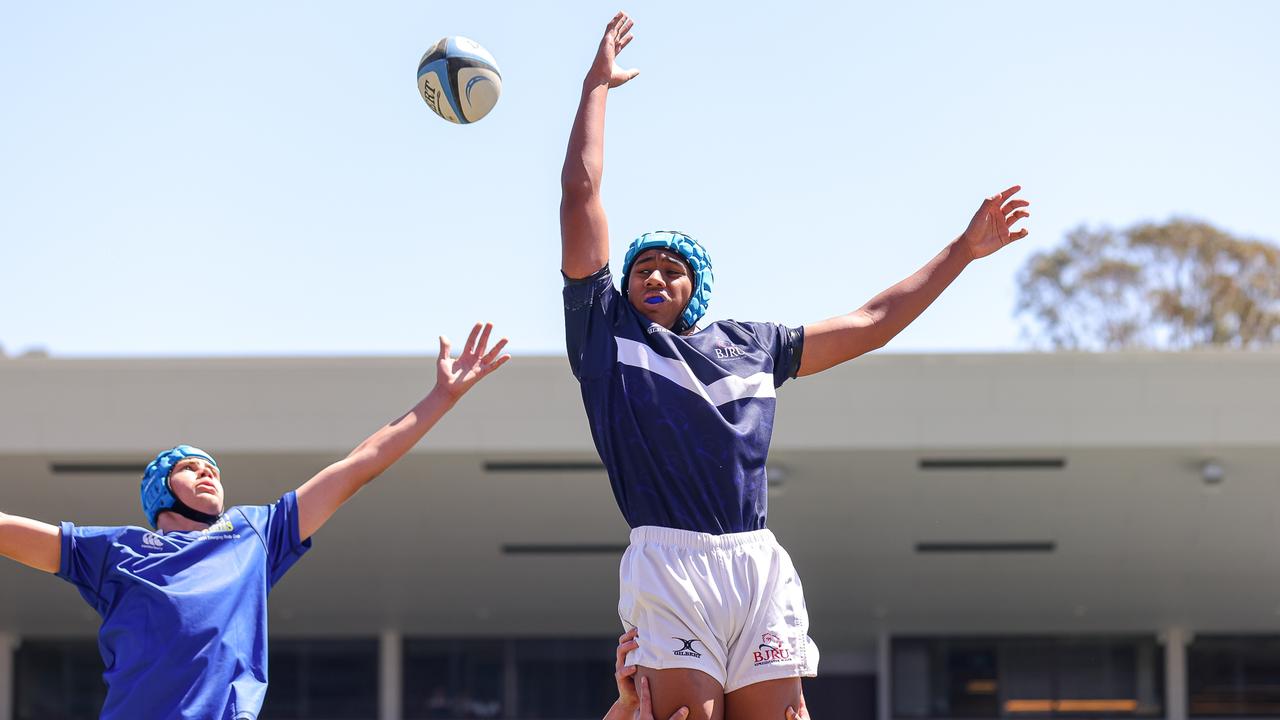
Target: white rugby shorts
728,605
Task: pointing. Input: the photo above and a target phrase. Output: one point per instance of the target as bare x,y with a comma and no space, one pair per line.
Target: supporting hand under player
633,703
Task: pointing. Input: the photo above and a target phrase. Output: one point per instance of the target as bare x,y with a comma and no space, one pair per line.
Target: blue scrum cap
694,254
156,495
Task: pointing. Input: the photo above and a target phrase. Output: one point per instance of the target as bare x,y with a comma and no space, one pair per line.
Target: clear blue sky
262,178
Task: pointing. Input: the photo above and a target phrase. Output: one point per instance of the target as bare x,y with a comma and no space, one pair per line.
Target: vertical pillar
8,643
510,680
884,676
1175,672
390,675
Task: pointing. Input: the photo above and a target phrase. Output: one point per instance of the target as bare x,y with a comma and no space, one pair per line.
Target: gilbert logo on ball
459,79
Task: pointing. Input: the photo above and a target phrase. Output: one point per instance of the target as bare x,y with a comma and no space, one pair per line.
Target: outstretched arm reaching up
31,542
323,494
831,342
584,229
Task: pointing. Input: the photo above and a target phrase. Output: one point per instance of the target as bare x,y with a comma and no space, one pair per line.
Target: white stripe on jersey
724,390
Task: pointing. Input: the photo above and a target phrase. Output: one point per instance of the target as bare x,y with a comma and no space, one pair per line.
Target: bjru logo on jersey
724,351
771,650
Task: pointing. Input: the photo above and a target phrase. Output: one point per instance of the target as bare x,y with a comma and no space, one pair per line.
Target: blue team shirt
184,614
682,423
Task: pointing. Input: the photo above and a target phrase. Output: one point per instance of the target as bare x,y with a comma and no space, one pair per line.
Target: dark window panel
1233,676
453,679
322,679
565,678
841,697
1028,677
58,680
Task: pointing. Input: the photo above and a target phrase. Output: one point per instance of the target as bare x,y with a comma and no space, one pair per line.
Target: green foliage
1168,286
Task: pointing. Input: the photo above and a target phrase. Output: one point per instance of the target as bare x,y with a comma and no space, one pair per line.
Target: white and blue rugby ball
459,80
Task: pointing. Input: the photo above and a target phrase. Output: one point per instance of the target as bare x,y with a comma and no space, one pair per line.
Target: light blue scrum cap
699,262
156,495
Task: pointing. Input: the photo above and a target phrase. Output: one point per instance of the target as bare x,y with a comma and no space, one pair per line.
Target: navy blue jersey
682,423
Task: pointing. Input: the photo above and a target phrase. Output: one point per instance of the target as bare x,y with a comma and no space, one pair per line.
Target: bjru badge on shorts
771,650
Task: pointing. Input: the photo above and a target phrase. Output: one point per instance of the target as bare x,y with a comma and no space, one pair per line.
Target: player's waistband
698,540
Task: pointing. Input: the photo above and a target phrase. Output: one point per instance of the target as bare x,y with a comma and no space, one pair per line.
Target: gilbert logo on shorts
686,650
771,650
151,541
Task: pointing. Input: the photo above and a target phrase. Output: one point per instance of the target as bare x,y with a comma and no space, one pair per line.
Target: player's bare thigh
766,700
698,691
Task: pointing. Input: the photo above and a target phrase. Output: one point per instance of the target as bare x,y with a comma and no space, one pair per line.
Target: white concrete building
980,536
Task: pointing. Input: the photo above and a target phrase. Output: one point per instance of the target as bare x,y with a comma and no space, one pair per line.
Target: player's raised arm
584,229
831,342
323,494
31,542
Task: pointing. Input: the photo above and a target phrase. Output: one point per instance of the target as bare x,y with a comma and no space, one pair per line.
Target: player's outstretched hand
635,705
456,376
991,227
605,68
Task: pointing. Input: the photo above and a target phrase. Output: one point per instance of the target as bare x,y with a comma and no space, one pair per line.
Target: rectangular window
849,697
454,679
56,679
319,679
1233,676
1027,677
565,678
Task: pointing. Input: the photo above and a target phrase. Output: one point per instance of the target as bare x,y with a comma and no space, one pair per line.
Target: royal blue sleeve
591,306
283,539
86,553
783,344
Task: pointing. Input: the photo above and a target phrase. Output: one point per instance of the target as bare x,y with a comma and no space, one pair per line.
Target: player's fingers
625,27
680,714
1010,192
628,635
623,649
610,33
625,42
496,364
1016,217
444,347
1018,235
1013,205
494,352
484,338
470,347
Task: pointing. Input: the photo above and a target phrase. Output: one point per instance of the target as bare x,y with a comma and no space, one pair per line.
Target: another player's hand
605,69
639,704
625,674
989,230
455,376
793,715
